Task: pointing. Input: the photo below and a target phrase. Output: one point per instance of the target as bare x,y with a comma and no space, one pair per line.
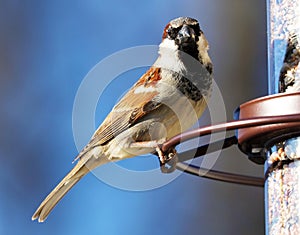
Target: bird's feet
169,157
280,155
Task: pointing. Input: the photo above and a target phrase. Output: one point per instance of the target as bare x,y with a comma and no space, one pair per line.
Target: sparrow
167,100
289,74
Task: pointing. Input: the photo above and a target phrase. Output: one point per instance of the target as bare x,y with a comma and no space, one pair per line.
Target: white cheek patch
168,44
169,58
142,89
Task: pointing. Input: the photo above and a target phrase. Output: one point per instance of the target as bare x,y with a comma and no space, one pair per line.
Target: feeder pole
282,167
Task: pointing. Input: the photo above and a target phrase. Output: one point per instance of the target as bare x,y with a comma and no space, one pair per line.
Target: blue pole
282,187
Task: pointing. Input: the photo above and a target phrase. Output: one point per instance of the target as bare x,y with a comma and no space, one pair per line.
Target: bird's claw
169,157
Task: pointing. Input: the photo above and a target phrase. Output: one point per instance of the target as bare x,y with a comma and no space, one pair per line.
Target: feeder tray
255,140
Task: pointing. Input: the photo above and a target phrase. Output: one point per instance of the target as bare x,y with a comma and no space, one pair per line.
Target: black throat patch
190,49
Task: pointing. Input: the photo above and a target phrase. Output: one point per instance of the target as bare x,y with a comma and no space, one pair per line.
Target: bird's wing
136,103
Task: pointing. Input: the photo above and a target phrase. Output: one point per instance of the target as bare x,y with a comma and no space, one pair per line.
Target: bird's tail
60,190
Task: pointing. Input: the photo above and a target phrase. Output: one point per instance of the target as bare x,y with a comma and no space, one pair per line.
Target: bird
289,80
166,100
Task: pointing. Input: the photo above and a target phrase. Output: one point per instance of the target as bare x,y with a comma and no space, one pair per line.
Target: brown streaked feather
140,112
150,78
130,109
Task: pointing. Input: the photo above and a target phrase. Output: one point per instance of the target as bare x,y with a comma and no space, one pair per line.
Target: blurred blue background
46,49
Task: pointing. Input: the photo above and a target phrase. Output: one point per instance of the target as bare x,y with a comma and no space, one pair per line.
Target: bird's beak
185,35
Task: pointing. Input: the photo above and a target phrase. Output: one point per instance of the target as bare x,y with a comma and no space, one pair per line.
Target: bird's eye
197,29
172,32
169,31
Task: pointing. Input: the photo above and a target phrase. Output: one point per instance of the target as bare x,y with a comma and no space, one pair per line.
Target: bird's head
183,34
